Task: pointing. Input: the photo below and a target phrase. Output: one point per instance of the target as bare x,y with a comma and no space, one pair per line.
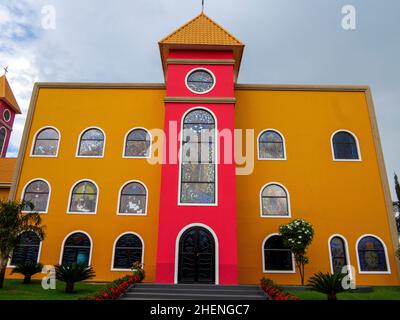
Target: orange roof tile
7,95
7,166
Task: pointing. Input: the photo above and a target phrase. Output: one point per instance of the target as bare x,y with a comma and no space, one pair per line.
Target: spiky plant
328,283
28,269
72,273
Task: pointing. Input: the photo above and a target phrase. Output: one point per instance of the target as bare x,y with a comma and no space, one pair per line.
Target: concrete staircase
150,291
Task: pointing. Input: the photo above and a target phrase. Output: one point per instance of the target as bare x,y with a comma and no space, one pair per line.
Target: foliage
28,269
398,252
327,283
13,222
297,236
275,292
397,187
72,273
138,271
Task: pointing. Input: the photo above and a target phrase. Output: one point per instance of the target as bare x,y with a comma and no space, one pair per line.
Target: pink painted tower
197,238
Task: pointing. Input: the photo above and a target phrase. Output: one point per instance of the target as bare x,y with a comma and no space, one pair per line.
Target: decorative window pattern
91,143
128,249
76,249
37,192
138,144
276,256
345,146
84,197
271,146
200,81
7,115
46,143
26,249
371,255
274,201
3,134
198,163
133,199
338,254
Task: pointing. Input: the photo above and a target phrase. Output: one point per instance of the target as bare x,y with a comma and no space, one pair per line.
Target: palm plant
328,283
13,222
28,269
72,273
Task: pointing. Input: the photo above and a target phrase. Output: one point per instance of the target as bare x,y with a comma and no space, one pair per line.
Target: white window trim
263,258
215,204
4,115
386,256
283,141
125,141
48,199
288,201
346,247
357,143
200,69
9,265
4,141
115,243
70,197
34,143
178,238
79,143
67,236
119,199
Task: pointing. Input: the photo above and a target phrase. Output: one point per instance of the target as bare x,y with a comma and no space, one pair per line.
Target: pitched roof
7,95
7,166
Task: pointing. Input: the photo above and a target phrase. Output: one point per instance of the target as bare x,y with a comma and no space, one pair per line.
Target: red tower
197,238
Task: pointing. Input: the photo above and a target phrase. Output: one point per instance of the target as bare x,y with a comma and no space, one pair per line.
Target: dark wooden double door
196,262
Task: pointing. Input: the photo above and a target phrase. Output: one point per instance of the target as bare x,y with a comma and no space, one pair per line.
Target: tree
27,269
71,273
328,283
13,222
297,236
397,188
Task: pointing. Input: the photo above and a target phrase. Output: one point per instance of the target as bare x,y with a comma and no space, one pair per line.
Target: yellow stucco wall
336,197
4,193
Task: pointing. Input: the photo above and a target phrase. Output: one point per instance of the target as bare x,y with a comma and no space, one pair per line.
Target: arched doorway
196,260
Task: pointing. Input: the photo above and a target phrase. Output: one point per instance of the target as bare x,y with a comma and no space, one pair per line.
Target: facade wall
7,125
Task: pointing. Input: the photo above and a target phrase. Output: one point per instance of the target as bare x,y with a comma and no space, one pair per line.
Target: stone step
184,296
198,290
197,286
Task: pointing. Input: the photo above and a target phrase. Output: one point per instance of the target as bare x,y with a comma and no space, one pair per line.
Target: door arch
196,255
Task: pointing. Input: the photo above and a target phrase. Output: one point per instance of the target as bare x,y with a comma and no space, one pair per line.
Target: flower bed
275,292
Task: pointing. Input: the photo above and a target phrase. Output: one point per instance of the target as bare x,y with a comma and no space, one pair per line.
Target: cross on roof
5,70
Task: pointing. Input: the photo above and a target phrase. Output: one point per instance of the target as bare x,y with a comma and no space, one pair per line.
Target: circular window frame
200,69
4,115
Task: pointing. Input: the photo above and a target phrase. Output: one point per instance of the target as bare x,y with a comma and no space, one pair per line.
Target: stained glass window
77,249
274,201
3,133
200,81
271,145
128,249
26,248
371,254
92,143
7,115
138,143
345,146
46,143
133,199
37,192
198,162
276,256
338,254
84,197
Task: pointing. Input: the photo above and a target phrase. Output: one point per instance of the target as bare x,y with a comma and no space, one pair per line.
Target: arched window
274,201
198,161
133,199
77,249
338,254
345,146
271,145
26,249
91,143
3,134
372,255
137,144
128,249
84,197
277,258
46,143
37,192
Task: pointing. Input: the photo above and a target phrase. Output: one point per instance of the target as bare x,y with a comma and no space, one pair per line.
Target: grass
16,290
378,293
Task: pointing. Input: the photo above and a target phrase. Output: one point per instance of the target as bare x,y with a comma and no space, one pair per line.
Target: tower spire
202,6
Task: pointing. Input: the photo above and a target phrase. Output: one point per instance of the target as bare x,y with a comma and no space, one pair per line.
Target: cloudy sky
287,42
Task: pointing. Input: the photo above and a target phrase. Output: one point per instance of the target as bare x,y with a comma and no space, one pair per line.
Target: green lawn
16,290
378,293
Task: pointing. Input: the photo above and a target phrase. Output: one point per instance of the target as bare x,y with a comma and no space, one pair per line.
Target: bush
275,292
28,269
138,271
114,290
328,283
72,273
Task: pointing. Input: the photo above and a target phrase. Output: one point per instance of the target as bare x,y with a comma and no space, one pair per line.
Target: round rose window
200,81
